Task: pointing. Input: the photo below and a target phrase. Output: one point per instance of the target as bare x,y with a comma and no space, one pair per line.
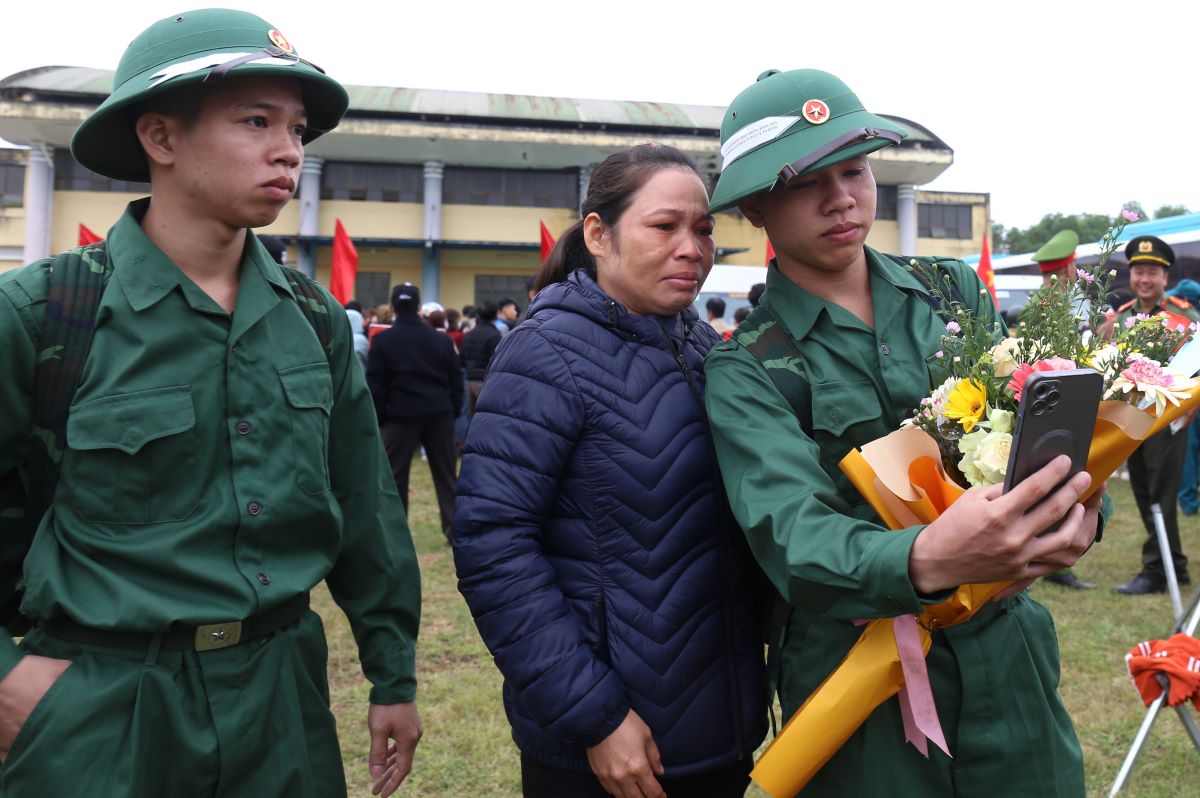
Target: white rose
970,471
1004,357
991,456
1000,420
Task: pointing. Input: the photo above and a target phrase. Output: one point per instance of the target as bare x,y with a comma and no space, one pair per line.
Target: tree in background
1089,226
1170,210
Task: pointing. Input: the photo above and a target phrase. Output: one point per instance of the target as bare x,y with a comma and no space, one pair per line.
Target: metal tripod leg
1189,723
1164,550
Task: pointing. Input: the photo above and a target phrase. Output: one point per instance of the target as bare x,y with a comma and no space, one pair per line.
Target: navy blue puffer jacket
591,544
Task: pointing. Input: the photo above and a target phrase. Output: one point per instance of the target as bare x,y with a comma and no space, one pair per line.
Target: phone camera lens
1042,389
1052,398
1039,407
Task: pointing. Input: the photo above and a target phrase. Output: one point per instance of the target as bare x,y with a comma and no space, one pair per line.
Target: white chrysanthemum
1145,378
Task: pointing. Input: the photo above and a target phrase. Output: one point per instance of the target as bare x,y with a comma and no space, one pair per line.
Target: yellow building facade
442,189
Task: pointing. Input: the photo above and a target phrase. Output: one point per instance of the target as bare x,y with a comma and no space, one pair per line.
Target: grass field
467,749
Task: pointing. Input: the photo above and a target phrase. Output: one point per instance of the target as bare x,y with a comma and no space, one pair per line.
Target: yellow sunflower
967,404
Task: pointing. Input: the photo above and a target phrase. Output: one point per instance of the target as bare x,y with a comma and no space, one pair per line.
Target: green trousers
250,720
995,682
1154,473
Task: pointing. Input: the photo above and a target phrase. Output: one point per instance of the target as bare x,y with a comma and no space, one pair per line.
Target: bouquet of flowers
961,435
970,415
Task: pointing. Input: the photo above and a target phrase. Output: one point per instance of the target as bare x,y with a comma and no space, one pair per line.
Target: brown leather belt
208,637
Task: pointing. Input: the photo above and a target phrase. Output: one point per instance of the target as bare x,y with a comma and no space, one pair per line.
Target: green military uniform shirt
216,465
1166,304
995,678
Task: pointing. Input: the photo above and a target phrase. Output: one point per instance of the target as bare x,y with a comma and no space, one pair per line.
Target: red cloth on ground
1178,658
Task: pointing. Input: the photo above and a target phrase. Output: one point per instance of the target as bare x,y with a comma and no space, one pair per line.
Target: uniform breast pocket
131,458
844,415
309,392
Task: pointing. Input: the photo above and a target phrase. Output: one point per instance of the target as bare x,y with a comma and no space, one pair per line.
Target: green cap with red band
1058,252
792,123
191,48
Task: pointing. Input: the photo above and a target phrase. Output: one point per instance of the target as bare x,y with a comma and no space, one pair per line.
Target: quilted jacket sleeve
522,438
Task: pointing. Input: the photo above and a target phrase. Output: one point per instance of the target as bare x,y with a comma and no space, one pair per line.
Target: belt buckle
213,636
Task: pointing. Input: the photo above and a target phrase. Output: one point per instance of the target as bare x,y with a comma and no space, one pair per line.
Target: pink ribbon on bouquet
917,706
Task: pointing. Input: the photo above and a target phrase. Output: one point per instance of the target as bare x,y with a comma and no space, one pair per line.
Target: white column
431,262
39,201
906,217
310,211
585,180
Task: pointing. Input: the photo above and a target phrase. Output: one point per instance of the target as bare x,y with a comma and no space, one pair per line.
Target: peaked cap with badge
791,123
1149,249
1058,252
192,48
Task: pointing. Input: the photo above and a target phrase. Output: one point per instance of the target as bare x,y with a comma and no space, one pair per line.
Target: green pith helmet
1058,252
789,124
191,48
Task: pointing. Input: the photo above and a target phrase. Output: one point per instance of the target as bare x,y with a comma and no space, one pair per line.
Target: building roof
412,125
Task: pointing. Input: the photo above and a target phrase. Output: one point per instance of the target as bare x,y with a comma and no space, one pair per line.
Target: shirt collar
799,310
146,273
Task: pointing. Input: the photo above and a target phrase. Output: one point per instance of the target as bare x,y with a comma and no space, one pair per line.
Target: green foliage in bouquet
971,414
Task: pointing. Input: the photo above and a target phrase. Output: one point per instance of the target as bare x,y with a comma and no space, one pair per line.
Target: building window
885,202
522,187
502,286
372,289
944,221
12,184
70,175
372,182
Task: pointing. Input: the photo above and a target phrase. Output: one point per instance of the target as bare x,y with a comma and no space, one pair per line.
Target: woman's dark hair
611,189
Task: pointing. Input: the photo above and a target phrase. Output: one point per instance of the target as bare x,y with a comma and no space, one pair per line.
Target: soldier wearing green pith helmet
210,471
1056,263
840,351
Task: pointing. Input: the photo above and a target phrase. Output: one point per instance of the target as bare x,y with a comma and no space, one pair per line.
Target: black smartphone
1056,415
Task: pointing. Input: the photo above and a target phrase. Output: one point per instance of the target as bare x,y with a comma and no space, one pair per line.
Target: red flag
547,241
86,236
345,265
984,270
770,252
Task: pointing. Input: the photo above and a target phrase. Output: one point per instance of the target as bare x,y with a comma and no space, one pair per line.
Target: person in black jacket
592,541
477,348
416,382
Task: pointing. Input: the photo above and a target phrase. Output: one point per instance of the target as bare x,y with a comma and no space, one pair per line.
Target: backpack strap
952,294
77,281
312,305
76,284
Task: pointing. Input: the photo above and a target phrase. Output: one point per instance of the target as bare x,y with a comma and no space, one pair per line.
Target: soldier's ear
157,133
750,209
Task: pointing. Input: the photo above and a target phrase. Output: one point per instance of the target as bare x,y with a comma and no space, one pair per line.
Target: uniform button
243,427
885,349
254,508
263,578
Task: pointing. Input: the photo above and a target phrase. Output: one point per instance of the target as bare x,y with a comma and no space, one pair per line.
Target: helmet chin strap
797,167
268,52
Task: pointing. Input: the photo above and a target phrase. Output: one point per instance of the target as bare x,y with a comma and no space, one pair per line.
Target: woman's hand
990,536
627,761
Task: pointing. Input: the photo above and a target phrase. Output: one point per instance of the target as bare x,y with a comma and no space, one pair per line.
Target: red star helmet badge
279,40
816,112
